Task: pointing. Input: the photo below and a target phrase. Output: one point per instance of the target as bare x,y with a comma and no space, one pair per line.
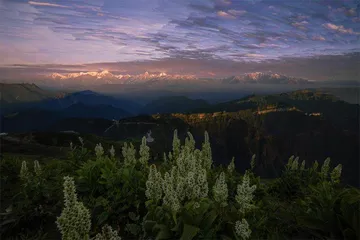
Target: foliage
183,196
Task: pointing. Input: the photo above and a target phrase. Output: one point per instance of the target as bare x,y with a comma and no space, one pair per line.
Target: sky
304,38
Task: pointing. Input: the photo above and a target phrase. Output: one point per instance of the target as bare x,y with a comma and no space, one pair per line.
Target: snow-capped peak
108,77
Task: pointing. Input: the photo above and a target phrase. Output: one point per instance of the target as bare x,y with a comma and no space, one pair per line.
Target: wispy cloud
225,14
46,4
301,25
82,31
254,55
318,38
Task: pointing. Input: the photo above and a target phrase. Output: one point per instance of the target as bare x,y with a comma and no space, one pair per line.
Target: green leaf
189,232
164,232
103,217
133,216
134,229
223,237
349,234
312,223
149,225
126,174
209,220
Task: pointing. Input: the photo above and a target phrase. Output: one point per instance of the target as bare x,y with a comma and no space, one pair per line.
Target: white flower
325,168
107,234
187,178
302,167
24,172
112,151
153,184
244,195
144,152
231,166
295,164
336,173
206,151
290,162
37,168
252,162
242,229
220,190
128,151
74,222
315,165
176,144
99,150
81,141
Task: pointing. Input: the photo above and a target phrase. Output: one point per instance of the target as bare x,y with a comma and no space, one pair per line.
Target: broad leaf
189,232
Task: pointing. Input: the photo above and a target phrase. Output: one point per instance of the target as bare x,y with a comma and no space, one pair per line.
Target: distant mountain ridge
268,78
18,97
25,92
106,77
42,119
173,104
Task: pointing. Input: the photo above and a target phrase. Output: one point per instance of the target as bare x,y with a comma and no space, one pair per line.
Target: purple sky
178,35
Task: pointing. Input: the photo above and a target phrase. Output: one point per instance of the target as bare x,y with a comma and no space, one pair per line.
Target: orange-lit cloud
224,14
318,38
340,28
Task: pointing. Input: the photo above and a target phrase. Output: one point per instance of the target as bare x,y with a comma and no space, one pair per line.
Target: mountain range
18,97
106,77
265,78
309,123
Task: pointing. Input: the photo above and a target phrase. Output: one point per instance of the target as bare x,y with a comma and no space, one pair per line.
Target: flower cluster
99,150
302,167
81,140
315,166
176,145
252,162
112,152
325,168
144,152
295,164
24,171
154,184
107,234
242,229
172,197
187,178
128,152
25,174
220,190
74,222
37,168
336,174
244,194
231,166
206,152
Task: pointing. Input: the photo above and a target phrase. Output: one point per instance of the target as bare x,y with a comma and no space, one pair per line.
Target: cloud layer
92,31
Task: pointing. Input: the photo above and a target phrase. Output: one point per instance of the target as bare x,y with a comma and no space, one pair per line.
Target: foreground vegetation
99,195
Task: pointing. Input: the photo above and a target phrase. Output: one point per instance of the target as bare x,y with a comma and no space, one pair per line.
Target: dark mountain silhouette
18,97
173,104
42,119
24,92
